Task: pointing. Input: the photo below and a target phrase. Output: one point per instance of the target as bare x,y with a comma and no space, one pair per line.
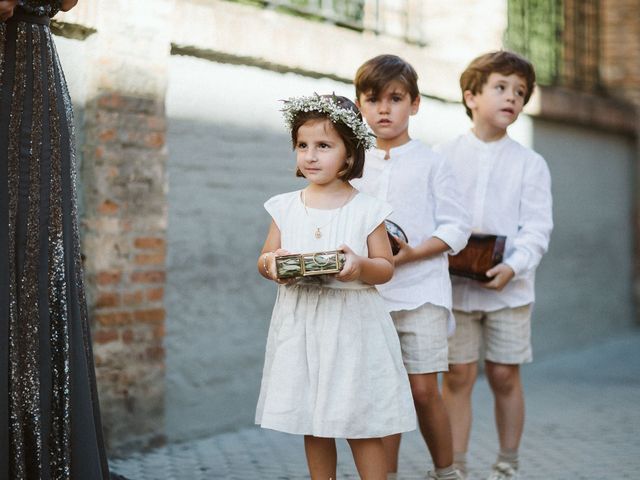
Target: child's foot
503,471
455,475
462,473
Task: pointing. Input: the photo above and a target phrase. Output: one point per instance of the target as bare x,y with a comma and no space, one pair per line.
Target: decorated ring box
307,264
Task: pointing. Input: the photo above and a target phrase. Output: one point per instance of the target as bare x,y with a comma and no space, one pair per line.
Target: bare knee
504,379
424,389
461,377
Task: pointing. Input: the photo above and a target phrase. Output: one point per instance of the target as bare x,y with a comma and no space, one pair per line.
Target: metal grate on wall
396,18
346,13
581,62
535,30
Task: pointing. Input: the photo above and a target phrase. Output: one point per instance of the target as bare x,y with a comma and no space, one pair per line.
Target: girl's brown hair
354,163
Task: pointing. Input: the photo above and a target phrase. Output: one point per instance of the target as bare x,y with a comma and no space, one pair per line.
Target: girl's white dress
333,366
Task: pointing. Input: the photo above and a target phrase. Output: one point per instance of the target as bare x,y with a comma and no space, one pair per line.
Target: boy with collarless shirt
507,190
419,185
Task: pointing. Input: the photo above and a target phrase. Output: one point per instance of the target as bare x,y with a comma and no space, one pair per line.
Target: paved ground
583,422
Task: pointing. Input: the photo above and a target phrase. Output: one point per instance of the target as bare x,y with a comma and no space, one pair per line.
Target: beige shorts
423,338
505,335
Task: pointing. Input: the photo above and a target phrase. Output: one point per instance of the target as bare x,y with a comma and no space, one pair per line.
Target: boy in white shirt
507,190
419,184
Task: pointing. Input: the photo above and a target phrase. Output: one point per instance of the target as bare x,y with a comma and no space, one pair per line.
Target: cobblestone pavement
583,422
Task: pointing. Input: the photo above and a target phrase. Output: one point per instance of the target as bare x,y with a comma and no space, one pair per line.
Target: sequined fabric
41,7
49,420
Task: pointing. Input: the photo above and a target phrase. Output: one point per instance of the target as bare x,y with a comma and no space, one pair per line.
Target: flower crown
329,105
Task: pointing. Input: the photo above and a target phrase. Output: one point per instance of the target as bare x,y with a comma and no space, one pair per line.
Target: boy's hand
500,275
405,255
352,266
68,5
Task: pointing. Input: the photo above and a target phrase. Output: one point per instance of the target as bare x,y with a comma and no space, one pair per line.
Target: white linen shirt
419,185
507,190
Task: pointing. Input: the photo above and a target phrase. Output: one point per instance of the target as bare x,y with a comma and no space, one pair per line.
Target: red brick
98,152
155,140
153,315
108,300
155,353
111,102
105,336
108,207
156,123
108,277
108,135
127,336
150,259
159,332
149,243
98,361
155,294
115,318
133,298
150,276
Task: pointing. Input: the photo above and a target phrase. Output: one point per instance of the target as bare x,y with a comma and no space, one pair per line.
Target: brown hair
477,73
355,149
375,74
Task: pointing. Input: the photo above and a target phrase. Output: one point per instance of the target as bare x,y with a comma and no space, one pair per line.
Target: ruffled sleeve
377,212
273,208
278,206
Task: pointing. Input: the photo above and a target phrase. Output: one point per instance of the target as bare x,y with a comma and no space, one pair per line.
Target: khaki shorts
505,334
423,338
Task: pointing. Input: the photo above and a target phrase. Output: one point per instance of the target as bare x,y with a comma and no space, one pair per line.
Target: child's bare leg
506,385
391,449
456,392
368,454
432,417
322,457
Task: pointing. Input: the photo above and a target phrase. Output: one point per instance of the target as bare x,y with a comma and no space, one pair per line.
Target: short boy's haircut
375,74
355,148
477,73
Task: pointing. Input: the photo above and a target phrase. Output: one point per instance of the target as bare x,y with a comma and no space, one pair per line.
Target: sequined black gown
49,416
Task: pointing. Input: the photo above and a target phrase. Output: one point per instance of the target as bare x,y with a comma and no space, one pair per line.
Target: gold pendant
318,233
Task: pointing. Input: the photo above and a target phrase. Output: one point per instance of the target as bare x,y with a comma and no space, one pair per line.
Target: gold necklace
318,233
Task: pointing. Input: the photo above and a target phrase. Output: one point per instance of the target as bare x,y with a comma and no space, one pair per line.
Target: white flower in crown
315,103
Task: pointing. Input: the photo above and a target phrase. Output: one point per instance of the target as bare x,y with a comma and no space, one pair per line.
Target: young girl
333,367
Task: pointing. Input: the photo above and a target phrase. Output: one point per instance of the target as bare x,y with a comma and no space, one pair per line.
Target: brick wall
620,48
125,227
581,49
125,214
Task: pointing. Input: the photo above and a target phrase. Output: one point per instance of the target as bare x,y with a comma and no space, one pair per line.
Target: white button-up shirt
507,190
420,186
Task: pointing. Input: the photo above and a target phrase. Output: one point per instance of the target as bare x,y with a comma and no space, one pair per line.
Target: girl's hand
271,272
6,9
267,259
274,271
500,275
352,265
